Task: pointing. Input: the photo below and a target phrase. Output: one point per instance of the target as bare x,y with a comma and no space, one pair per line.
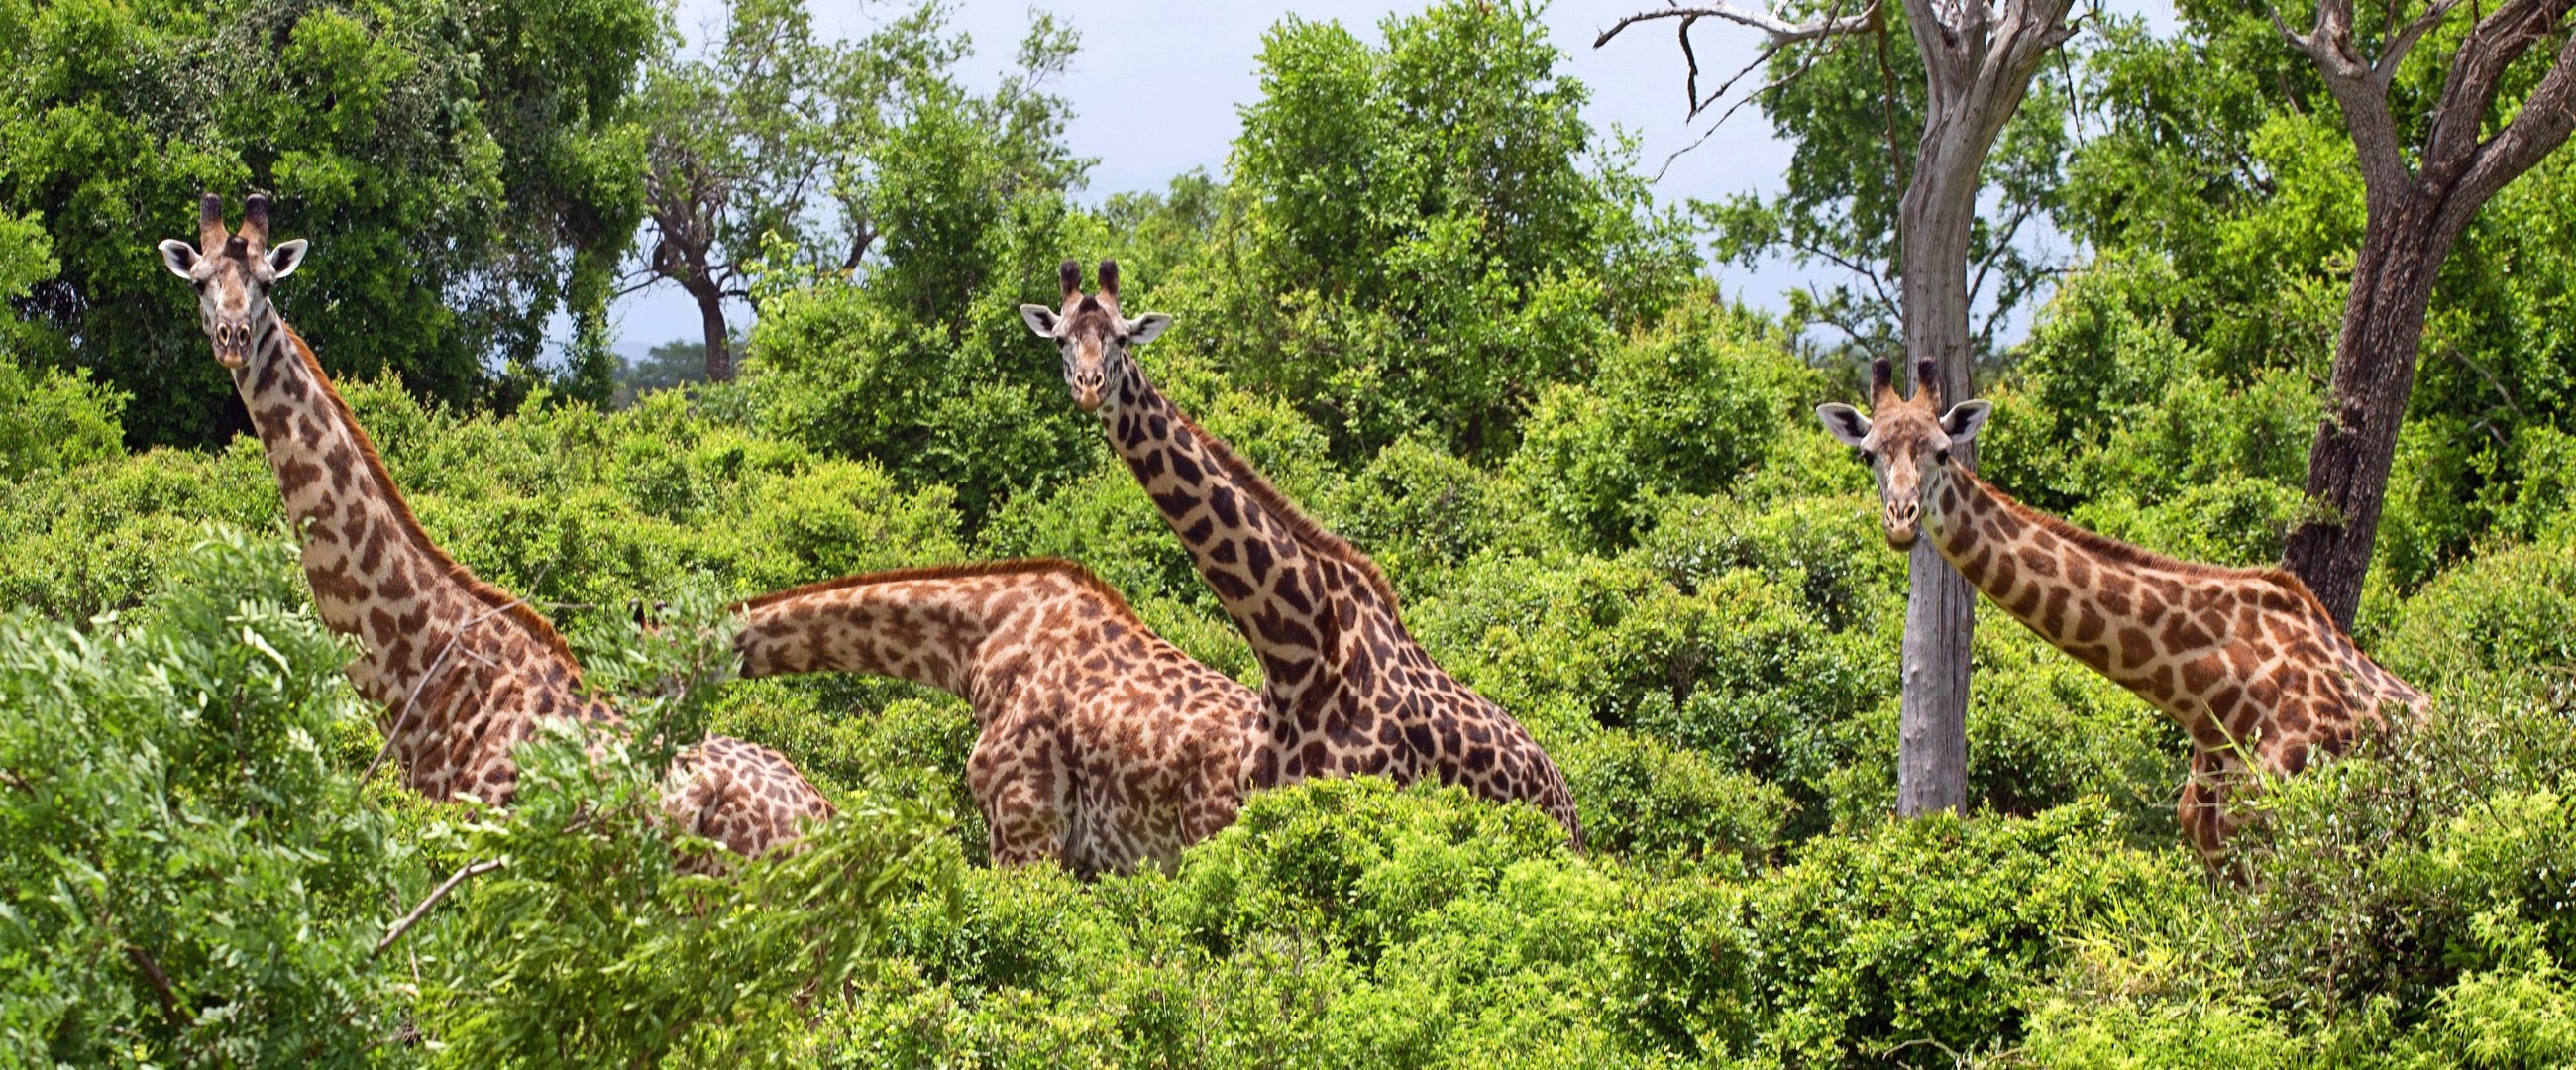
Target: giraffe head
1092,335
1908,442
232,274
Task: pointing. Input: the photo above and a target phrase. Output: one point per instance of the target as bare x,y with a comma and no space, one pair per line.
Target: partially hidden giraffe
1346,689
2245,660
1098,744
462,670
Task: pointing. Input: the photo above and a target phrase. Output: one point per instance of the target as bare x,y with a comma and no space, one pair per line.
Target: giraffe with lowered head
1098,745
1346,688
463,671
2245,660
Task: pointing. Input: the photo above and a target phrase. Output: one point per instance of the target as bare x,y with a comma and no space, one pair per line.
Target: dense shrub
187,876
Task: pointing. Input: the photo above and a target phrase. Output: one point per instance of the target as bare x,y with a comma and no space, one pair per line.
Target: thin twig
395,933
404,720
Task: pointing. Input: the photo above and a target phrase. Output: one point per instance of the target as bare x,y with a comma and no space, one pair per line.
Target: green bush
186,874
1683,410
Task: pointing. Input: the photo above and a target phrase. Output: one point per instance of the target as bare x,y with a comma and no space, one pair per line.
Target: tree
1429,230
187,875
459,165
1977,65
915,355
2417,210
774,136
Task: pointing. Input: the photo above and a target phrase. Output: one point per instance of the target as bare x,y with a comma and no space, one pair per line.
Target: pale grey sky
1156,88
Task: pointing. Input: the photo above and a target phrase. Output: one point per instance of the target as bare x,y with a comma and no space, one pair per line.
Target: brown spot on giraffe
1308,602
2243,659
460,668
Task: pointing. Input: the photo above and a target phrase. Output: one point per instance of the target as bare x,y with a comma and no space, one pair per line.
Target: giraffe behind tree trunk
2245,660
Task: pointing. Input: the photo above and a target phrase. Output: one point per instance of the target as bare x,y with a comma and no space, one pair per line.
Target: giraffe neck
2069,593
2147,622
973,631
1293,589
430,630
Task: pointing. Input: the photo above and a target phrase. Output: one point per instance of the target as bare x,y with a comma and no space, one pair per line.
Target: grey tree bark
1978,60
2416,213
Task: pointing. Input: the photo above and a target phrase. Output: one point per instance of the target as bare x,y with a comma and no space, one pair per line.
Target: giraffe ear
1963,420
179,256
285,258
1040,319
1844,423
1147,327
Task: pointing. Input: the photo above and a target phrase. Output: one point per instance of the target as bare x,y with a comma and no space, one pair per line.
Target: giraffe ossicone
1098,745
462,671
2245,660
1345,689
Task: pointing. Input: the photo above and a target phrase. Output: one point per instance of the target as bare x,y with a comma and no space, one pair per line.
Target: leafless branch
1806,64
1877,285
1781,31
436,664
404,925
2002,245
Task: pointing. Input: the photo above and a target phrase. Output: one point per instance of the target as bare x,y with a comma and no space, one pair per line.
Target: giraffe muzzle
1901,523
232,344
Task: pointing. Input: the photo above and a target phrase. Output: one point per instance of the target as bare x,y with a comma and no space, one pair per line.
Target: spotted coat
1098,745
1347,689
462,671
2245,660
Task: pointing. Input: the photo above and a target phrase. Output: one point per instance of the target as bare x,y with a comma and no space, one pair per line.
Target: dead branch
408,920
1781,31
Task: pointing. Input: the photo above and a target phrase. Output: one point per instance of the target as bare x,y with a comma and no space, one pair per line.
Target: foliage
187,876
1429,231
601,939
461,164
1441,315
59,419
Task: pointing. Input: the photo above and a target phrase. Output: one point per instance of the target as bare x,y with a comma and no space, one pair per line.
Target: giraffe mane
2136,556
1314,536
1056,566
509,606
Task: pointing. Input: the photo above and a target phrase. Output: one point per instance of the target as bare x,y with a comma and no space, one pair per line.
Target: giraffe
462,670
2245,660
1098,745
1346,689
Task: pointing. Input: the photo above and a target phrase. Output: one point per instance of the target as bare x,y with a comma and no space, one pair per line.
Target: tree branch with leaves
2417,209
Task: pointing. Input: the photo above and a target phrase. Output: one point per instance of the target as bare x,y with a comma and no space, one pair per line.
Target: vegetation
1594,483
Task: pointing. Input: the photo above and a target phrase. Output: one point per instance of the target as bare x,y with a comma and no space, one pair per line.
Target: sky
1156,89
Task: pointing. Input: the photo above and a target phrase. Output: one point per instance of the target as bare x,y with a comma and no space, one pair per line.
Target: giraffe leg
2203,812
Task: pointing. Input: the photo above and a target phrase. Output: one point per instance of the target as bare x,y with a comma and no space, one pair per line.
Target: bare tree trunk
1977,63
2374,374
1978,71
711,316
1941,607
